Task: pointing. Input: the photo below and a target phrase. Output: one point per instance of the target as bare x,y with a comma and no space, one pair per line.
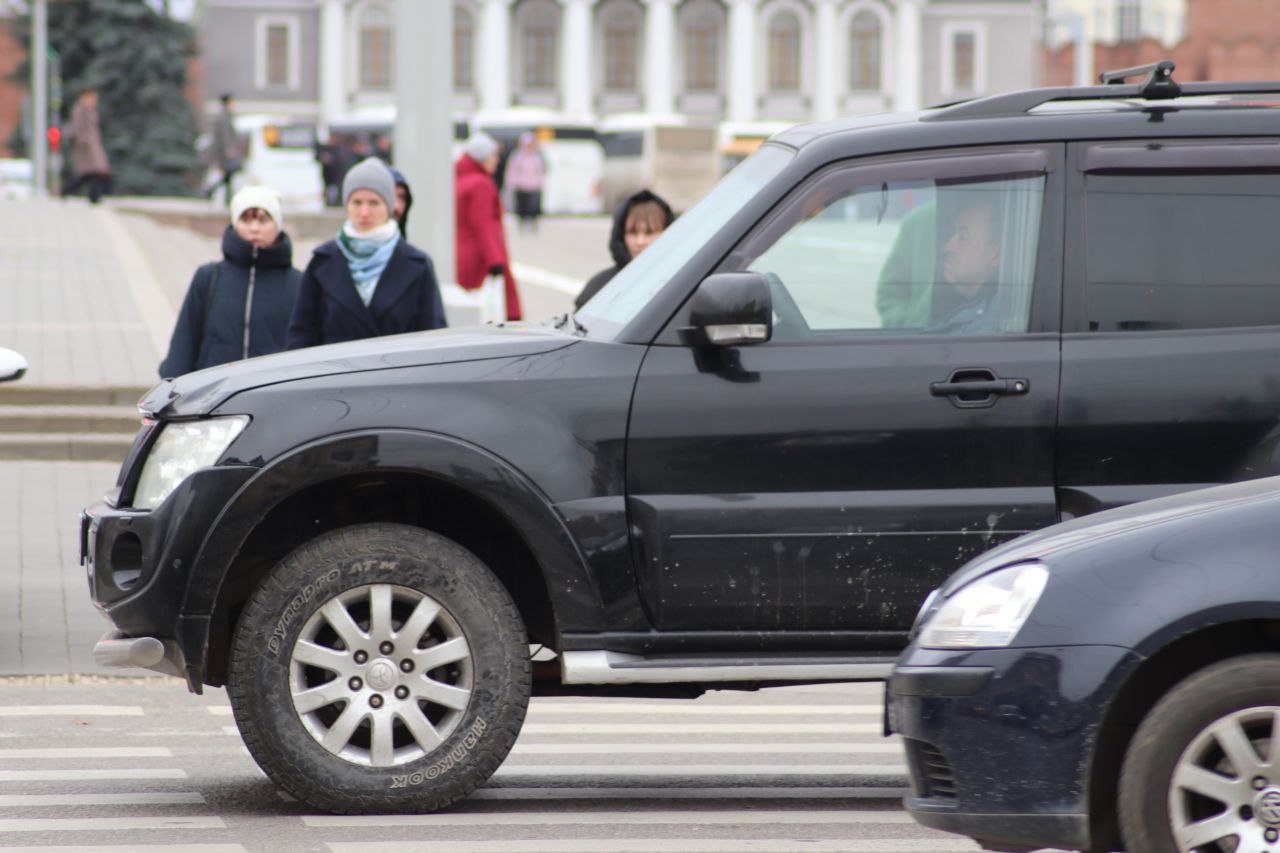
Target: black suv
878,348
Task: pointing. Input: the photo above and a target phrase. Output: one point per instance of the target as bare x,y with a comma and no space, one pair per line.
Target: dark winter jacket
254,287
618,244
481,242
328,310
403,219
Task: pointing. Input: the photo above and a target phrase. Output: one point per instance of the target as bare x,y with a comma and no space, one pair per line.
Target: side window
1177,250
939,246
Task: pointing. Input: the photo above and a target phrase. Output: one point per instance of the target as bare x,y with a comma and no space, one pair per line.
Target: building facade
735,60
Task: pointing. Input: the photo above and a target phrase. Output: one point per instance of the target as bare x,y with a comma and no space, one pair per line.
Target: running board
601,667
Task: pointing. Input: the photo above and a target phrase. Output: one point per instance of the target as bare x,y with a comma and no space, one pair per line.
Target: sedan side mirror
730,309
12,365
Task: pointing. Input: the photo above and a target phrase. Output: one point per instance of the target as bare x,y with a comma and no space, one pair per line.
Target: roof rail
1157,85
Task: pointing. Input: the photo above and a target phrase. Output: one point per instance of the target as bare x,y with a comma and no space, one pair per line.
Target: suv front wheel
379,668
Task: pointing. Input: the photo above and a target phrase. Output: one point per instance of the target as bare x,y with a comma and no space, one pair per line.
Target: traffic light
54,135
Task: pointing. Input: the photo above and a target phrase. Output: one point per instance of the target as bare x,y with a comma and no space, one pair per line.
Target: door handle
974,388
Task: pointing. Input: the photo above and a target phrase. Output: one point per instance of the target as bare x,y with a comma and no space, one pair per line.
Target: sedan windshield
621,299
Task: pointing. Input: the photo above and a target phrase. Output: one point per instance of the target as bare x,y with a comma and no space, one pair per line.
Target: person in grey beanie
369,281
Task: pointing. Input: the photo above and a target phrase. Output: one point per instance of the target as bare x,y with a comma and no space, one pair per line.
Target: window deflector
1148,155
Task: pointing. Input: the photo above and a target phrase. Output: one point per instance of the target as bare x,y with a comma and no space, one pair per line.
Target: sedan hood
200,392
1091,530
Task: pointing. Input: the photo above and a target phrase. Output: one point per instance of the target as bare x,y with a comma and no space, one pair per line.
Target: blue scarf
367,254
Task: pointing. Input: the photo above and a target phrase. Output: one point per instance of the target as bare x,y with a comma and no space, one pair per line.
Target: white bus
279,153
574,158
676,158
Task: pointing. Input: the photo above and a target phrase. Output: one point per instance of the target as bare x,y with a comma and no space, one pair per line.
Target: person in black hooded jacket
238,307
637,223
404,201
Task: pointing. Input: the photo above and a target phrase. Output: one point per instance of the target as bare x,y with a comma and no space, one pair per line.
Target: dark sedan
1108,683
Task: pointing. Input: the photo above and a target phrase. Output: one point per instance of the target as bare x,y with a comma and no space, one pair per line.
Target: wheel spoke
443,694
1273,750
311,654
419,621
380,612
421,728
1217,828
1235,743
335,612
382,752
312,699
1198,780
450,651
339,734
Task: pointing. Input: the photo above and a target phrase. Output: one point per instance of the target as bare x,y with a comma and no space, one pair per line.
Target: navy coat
329,310
211,329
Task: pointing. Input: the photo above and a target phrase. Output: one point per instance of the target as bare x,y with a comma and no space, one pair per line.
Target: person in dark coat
369,281
637,222
404,201
88,155
481,241
238,307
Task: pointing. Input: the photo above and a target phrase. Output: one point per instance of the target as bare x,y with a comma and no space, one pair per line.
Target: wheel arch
427,480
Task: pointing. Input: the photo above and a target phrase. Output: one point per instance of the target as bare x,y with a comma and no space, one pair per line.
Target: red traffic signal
54,135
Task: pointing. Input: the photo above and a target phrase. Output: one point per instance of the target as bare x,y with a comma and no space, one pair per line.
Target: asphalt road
142,765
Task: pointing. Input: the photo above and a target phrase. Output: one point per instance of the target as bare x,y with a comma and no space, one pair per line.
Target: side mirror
730,309
12,365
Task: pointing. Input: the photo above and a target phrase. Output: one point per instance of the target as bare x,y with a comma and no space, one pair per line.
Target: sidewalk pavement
88,295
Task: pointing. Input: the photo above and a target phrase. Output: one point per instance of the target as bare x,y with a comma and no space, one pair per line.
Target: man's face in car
971,255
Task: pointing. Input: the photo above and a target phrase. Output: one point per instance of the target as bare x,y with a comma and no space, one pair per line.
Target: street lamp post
424,121
39,63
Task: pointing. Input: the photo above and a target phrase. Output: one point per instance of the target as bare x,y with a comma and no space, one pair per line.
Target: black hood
239,251
398,176
617,241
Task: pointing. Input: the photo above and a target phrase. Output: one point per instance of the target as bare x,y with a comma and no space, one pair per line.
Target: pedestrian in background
227,155
88,156
238,307
404,201
637,222
481,240
369,281
527,174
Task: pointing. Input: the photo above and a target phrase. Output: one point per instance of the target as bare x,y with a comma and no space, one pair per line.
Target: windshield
621,299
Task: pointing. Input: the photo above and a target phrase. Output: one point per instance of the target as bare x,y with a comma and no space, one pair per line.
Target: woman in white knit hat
238,307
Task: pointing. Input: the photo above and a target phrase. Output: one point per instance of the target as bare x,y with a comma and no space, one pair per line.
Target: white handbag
493,300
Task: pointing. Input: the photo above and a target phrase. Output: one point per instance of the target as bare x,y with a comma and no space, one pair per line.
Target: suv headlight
182,448
988,612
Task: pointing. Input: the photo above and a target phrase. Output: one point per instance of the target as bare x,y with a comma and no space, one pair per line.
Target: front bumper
138,564
999,742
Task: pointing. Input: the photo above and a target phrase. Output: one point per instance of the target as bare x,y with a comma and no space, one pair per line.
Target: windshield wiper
564,320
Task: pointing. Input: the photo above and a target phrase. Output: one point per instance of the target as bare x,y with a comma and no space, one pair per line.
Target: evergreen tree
136,57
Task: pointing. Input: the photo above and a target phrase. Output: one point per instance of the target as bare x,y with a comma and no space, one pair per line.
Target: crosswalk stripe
933,844
131,848
699,728
88,752
514,769
672,793
85,774
736,817
70,710
107,824
136,798
676,710
677,748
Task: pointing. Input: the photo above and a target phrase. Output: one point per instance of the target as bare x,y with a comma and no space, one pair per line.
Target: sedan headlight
988,612
182,448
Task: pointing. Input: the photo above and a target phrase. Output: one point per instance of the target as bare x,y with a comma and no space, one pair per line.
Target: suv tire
379,668
1204,751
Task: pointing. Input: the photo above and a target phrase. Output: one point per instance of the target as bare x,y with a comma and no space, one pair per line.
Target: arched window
375,49
702,41
463,48
539,44
621,42
864,52
784,52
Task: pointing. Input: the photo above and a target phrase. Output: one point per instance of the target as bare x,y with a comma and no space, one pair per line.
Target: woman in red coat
481,242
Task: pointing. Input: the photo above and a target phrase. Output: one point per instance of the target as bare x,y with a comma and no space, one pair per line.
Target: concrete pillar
660,55
828,72
907,95
333,95
575,59
424,121
1084,35
494,65
742,60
